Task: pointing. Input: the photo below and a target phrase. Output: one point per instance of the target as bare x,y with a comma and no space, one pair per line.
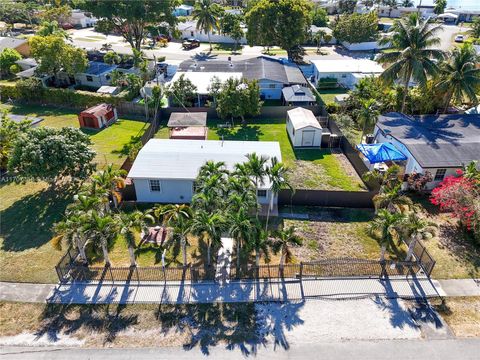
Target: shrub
327,83
7,59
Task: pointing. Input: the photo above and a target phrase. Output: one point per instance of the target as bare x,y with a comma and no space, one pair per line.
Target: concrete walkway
25,292
458,287
241,291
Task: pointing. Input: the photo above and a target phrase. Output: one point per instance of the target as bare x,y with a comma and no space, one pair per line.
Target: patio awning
448,16
378,153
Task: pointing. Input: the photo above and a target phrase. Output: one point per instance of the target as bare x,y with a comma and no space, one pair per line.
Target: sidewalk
241,291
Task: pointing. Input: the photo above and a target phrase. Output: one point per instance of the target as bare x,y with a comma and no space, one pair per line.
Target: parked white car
459,38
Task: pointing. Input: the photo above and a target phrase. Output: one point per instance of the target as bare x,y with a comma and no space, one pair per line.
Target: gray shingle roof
261,67
297,93
436,141
187,119
10,42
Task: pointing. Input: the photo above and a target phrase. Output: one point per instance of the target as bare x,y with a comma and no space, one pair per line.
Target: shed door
307,137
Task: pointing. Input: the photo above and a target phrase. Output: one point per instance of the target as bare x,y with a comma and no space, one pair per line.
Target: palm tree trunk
411,247
382,253
449,99
209,41
114,198
270,204
407,81
257,258
184,252
81,251
131,251
105,254
282,259
238,254
208,252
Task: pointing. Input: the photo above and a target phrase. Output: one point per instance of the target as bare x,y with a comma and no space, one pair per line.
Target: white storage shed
303,128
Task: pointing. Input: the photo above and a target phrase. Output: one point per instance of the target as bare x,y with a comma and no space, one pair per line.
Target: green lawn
28,211
310,169
227,49
328,95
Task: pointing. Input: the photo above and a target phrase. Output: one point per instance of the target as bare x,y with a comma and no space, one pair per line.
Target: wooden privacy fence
329,268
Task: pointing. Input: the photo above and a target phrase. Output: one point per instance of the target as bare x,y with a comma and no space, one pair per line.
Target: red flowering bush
460,195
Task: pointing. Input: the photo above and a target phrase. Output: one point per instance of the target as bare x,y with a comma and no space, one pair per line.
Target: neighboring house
98,116
183,10
108,90
164,171
81,19
346,72
303,128
397,12
189,29
27,63
315,29
21,45
188,125
202,81
298,95
96,75
272,74
440,144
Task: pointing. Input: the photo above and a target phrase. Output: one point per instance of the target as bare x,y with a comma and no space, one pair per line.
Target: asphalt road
464,349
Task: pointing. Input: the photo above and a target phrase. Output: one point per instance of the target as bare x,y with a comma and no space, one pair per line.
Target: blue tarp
378,153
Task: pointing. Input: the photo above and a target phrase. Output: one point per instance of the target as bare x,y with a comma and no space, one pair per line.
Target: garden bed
322,169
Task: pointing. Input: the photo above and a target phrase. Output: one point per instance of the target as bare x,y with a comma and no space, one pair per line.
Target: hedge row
28,91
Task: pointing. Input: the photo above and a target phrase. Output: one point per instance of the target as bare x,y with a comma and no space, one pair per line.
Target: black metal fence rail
265,272
63,266
423,257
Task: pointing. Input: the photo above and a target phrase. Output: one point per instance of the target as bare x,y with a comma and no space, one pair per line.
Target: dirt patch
347,166
308,175
462,315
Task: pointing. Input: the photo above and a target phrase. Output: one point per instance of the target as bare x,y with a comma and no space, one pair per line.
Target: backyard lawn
328,95
313,169
28,211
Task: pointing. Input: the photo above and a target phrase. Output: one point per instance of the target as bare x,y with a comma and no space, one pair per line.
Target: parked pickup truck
189,44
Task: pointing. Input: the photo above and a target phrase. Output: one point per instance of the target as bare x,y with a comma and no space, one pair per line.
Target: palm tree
207,13
413,55
418,229
256,166
210,226
182,227
71,230
318,37
460,77
282,242
475,28
277,174
260,243
171,213
392,200
440,6
240,228
407,3
392,4
128,224
110,179
212,168
389,226
101,230
367,115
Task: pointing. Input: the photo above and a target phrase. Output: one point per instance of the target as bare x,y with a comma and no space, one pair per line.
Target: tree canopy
54,55
45,153
319,17
130,18
182,92
284,23
356,28
7,59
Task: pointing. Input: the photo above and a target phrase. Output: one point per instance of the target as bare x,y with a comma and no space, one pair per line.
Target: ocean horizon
457,4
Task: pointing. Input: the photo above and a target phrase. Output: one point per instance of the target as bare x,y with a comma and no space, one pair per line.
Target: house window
89,78
271,86
107,77
261,193
440,174
155,185
192,34
344,76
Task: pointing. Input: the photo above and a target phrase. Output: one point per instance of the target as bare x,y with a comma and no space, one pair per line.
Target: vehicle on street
459,38
191,43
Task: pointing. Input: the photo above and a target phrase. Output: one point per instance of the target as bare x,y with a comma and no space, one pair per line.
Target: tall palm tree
102,230
367,115
283,239
460,77
277,174
128,224
71,230
171,213
210,226
389,226
240,228
182,227
413,56
260,243
392,199
207,14
416,229
318,37
211,168
257,169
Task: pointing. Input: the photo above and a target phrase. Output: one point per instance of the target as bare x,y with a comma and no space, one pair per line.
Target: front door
307,137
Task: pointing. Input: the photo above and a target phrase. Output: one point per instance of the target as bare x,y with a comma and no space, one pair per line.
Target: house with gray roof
439,144
298,95
272,74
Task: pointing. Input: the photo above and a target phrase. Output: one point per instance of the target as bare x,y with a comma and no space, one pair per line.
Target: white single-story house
272,74
164,170
203,80
183,10
439,144
188,29
96,75
26,63
303,128
81,19
21,45
346,72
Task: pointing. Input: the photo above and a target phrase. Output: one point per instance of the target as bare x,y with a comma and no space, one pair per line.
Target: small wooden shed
98,116
188,126
303,128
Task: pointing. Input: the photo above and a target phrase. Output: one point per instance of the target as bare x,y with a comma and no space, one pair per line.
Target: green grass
28,211
328,95
309,169
227,49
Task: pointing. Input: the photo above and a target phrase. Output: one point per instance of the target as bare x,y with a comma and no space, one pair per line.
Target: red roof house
98,116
